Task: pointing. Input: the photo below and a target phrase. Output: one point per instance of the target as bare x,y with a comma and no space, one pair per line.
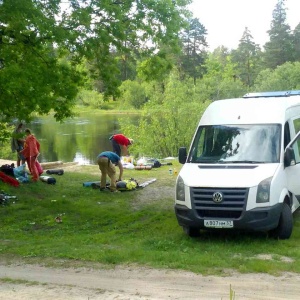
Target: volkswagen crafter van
242,170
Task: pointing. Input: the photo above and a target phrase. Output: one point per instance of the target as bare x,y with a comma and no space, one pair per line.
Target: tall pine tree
194,49
279,49
247,58
296,42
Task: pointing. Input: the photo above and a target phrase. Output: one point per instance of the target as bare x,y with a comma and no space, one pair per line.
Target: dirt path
138,283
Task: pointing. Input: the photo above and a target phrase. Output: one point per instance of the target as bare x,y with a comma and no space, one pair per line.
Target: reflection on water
79,139
81,159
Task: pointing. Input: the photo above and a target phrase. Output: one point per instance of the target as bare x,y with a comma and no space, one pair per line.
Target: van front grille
233,202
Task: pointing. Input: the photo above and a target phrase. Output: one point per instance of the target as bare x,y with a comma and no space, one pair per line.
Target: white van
242,170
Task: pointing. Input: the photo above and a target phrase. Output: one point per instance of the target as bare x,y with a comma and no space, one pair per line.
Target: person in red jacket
31,151
120,143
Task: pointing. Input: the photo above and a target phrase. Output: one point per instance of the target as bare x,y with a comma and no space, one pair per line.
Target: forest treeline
148,55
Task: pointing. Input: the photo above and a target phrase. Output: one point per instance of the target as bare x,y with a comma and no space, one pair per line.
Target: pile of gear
16,175
123,185
6,198
130,184
127,185
143,163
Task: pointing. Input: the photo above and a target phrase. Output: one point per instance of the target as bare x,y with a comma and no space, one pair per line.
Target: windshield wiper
221,161
245,162
202,161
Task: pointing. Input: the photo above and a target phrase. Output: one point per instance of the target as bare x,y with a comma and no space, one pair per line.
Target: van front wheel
285,225
191,231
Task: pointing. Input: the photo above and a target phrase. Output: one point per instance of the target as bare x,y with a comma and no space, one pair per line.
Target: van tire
285,225
191,231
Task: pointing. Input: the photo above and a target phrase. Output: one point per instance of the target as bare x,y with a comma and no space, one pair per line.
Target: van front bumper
258,219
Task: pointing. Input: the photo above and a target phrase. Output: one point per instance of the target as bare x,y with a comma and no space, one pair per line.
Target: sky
225,20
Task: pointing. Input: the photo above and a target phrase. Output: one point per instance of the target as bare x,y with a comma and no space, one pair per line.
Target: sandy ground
19,280
134,283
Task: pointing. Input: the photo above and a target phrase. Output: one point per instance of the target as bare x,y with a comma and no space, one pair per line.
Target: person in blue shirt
107,161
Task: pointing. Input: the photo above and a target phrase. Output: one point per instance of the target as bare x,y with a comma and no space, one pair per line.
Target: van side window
287,135
296,123
296,146
203,143
287,139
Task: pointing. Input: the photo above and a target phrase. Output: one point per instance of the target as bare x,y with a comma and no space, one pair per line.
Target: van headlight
263,191
180,192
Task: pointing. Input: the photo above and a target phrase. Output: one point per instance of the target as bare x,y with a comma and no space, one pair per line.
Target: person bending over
107,161
120,144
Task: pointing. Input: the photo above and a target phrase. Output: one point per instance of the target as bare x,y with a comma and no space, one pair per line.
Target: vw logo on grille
217,197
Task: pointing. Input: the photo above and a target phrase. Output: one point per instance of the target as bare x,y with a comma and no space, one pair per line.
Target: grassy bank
137,227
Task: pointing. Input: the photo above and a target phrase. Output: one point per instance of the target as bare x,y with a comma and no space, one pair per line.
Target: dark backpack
8,169
155,163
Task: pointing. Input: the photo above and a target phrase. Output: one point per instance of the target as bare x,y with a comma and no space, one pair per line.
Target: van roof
250,110
272,94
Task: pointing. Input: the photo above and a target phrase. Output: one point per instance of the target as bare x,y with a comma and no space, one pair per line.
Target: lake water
79,139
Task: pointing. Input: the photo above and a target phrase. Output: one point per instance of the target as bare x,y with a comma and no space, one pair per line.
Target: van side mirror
182,155
289,157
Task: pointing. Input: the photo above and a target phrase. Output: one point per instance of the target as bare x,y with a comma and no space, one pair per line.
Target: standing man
17,144
107,161
118,141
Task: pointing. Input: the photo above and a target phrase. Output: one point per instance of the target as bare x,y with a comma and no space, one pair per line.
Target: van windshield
259,143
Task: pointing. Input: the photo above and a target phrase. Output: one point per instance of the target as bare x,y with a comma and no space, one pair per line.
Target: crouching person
107,161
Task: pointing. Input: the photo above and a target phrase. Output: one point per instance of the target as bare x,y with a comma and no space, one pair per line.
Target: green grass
128,228
18,281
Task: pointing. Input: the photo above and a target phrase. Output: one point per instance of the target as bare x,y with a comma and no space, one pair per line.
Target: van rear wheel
191,231
285,225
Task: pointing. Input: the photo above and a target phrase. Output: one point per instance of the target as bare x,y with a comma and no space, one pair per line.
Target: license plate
218,224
